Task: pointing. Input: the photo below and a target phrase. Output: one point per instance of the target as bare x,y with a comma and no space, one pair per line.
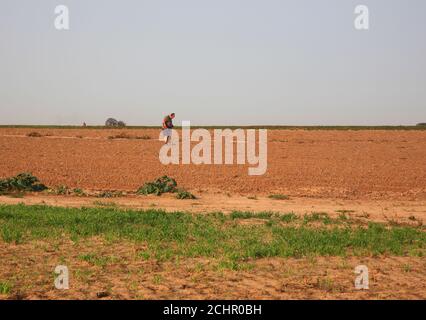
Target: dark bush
21,182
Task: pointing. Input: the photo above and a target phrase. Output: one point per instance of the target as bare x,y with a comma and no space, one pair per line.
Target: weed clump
183,194
162,185
61,190
5,288
79,192
21,182
278,197
110,194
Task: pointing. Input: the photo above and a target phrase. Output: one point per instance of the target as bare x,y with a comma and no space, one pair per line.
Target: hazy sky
223,62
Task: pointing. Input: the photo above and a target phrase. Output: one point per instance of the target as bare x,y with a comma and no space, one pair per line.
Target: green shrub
162,185
183,194
159,186
21,182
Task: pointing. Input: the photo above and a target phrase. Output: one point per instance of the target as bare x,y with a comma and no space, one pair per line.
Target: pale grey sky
224,62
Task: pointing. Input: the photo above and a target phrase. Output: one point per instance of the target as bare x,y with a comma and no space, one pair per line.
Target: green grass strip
169,235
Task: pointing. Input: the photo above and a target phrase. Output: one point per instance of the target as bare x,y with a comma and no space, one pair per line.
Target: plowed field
323,164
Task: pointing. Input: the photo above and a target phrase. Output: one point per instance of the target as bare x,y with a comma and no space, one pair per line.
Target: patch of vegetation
168,236
98,260
327,284
183,194
289,217
161,185
5,288
61,190
278,197
407,268
21,182
229,264
250,215
157,279
317,217
110,194
104,204
343,216
11,235
79,192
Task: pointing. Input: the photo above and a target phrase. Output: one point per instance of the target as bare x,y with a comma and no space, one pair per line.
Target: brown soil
320,164
126,275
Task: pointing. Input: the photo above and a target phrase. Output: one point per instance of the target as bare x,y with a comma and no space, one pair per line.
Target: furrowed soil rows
366,164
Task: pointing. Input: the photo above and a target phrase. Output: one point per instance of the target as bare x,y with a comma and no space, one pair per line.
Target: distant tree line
111,122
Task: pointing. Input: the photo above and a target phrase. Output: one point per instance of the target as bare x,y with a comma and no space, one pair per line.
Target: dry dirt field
320,164
378,175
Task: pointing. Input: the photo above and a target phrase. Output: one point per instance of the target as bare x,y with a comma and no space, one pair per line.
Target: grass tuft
5,288
278,197
183,194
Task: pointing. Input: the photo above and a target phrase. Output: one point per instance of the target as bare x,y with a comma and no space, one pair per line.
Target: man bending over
168,126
